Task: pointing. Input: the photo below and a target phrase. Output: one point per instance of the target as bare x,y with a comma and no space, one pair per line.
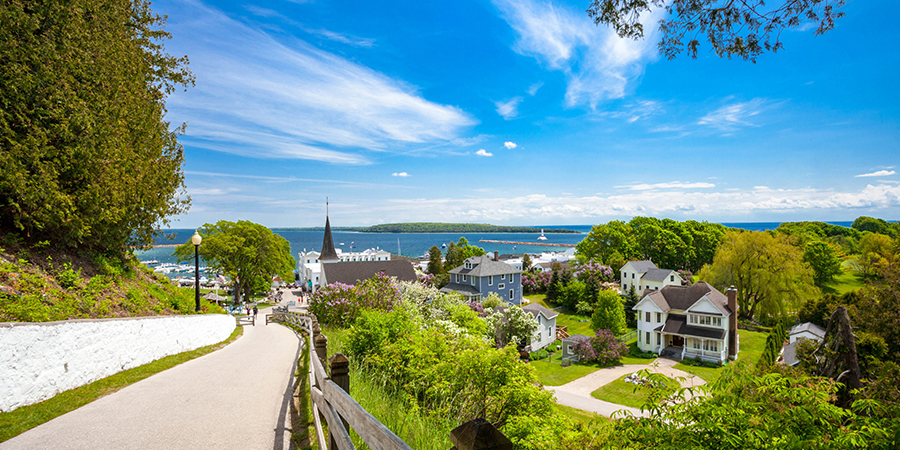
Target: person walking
255,312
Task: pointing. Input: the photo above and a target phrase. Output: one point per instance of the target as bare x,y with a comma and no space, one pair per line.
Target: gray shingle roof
328,251
642,266
353,272
462,288
810,327
682,297
789,353
657,274
483,266
577,338
537,308
677,324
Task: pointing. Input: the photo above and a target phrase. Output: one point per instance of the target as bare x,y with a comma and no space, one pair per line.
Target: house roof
461,288
577,338
642,266
808,327
484,266
657,274
353,272
789,353
683,297
677,324
537,308
328,252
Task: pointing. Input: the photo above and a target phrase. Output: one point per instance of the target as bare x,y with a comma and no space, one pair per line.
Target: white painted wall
40,360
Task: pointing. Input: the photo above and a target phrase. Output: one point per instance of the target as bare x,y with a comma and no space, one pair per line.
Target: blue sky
524,113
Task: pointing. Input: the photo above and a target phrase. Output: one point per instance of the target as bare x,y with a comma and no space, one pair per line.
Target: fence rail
629,336
331,400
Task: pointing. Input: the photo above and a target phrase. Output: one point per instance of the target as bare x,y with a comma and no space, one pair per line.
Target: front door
677,341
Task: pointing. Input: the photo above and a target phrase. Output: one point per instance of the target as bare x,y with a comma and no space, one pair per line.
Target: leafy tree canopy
823,260
458,252
248,253
87,158
767,271
745,28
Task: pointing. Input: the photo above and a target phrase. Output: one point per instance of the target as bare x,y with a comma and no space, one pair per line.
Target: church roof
328,252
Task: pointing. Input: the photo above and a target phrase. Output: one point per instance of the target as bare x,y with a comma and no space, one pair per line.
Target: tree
513,325
458,252
733,28
631,299
88,158
571,293
822,260
609,313
874,225
767,271
607,242
526,263
435,265
878,306
874,251
248,253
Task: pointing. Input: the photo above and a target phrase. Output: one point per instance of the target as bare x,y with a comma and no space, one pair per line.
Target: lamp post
195,239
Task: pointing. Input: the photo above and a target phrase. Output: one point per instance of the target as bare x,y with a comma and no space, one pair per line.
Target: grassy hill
40,284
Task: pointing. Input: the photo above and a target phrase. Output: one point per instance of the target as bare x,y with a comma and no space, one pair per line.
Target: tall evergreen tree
435,265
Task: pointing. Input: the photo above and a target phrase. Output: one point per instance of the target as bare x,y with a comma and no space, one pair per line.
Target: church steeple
328,253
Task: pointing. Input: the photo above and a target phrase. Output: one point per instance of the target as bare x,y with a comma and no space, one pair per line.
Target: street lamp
195,239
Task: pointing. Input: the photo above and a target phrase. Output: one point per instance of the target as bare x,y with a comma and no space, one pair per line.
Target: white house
806,330
689,322
645,275
546,332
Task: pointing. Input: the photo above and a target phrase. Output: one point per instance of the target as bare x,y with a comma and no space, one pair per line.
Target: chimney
496,255
731,293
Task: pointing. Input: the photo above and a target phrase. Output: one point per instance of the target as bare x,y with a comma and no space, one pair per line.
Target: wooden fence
331,401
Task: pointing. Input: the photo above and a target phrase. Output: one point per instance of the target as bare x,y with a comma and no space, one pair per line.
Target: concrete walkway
234,398
577,393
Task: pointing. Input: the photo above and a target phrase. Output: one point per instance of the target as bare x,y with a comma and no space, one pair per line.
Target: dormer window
468,265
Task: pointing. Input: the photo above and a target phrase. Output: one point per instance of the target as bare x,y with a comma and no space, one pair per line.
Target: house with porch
479,276
644,275
694,321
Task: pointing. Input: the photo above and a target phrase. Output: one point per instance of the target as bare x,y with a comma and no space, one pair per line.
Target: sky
524,113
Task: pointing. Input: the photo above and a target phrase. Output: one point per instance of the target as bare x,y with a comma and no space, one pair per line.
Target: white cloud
597,63
880,173
510,145
259,97
342,38
400,174
510,108
532,90
735,115
672,185
483,152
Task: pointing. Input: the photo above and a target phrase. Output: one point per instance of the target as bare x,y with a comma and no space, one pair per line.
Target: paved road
234,398
577,393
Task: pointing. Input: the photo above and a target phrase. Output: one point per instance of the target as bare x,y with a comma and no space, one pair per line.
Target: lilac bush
535,282
687,276
339,304
603,349
593,269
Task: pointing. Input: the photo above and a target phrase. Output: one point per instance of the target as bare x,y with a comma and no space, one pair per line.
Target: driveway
577,393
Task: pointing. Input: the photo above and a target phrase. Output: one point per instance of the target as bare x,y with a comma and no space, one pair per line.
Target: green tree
767,271
743,28
526,263
435,265
88,159
513,325
607,243
631,299
822,260
248,253
458,252
874,251
609,313
874,225
571,293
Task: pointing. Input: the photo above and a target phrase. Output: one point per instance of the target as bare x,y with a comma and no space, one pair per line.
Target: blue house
481,275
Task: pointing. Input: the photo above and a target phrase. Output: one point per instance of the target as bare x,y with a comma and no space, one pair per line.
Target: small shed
568,346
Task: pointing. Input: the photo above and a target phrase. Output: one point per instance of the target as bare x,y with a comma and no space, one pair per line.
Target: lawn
578,415
623,393
847,281
576,324
752,345
552,373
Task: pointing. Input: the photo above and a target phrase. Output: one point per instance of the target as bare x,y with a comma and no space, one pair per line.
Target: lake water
417,244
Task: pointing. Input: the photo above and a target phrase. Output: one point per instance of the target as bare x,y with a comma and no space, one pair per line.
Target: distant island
435,227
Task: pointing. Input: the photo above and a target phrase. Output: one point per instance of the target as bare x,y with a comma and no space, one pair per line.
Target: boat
542,237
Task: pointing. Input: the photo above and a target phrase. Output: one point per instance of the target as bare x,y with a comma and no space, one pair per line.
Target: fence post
322,349
479,434
339,368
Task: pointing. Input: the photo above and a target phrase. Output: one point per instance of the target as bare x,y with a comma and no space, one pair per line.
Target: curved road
234,398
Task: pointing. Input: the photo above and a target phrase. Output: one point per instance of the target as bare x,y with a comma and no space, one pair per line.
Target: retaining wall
40,360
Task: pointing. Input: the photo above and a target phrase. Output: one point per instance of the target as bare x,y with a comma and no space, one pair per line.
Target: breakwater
542,244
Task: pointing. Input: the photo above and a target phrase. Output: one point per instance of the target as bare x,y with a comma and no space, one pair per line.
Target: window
696,344
711,346
648,336
465,278
503,277
473,281
491,280
511,294
623,286
501,286
632,276
659,317
672,278
658,338
549,332
647,316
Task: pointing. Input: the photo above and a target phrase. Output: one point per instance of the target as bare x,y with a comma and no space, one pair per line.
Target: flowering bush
603,349
339,304
687,276
535,282
592,269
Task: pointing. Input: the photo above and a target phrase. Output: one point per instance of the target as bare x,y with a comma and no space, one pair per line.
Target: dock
542,244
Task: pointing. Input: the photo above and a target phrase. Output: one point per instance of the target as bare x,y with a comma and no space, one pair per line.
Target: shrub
609,312
491,301
339,304
595,270
572,293
584,308
603,349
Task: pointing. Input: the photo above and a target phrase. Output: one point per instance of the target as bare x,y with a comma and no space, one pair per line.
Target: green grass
576,324
552,373
847,281
622,393
752,345
25,418
578,415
